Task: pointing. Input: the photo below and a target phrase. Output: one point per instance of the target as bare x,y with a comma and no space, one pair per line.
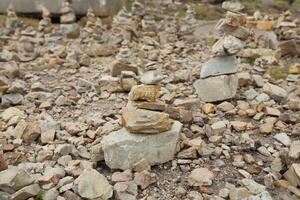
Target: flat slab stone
123,149
217,88
219,66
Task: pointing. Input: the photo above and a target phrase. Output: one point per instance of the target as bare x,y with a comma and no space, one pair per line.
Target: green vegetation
40,194
250,60
278,73
26,20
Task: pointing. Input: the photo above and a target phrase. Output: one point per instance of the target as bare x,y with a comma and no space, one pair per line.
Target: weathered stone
26,192
293,175
283,138
31,132
227,45
3,164
151,78
201,177
142,121
238,32
144,93
219,66
117,67
295,149
290,47
70,30
252,186
122,176
239,193
144,179
93,185
126,190
13,179
123,149
234,6
216,88
275,91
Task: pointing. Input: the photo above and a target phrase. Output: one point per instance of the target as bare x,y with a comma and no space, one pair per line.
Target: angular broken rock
26,192
144,121
117,67
216,88
275,91
126,190
144,93
293,175
144,179
122,150
14,179
219,66
151,78
200,177
3,164
295,149
93,185
290,47
227,45
238,32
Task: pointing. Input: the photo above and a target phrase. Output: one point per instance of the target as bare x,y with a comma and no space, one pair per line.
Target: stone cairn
45,23
12,21
149,136
27,49
218,80
68,25
288,32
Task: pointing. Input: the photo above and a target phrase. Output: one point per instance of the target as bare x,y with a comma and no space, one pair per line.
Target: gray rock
295,149
238,32
252,186
11,99
275,91
265,195
93,185
219,66
14,179
283,138
201,177
51,194
227,45
216,88
126,190
123,149
26,192
151,78
234,6
292,175
70,30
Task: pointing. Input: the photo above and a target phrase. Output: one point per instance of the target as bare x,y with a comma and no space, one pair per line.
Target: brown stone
3,164
265,25
117,67
180,113
32,132
290,47
235,19
282,184
208,108
144,93
142,121
155,106
294,69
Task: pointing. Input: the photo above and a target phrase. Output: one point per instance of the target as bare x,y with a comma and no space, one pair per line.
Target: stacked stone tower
218,80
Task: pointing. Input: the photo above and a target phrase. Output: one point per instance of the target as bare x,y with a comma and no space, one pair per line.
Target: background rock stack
12,21
147,135
45,23
68,26
218,81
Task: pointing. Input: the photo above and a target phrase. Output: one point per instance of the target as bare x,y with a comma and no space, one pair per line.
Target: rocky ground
70,127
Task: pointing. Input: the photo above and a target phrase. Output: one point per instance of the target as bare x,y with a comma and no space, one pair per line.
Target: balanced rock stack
147,135
218,81
45,23
12,21
288,32
27,49
68,26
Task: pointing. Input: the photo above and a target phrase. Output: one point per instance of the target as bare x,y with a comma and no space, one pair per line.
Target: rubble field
152,106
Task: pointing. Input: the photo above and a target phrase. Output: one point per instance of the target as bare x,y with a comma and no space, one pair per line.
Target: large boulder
122,149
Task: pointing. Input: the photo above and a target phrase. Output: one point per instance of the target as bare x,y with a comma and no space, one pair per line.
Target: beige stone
142,121
144,93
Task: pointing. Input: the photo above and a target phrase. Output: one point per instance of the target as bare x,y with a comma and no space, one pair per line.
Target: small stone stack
12,21
27,45
68,26
147,135
288,32
218,81
45,23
